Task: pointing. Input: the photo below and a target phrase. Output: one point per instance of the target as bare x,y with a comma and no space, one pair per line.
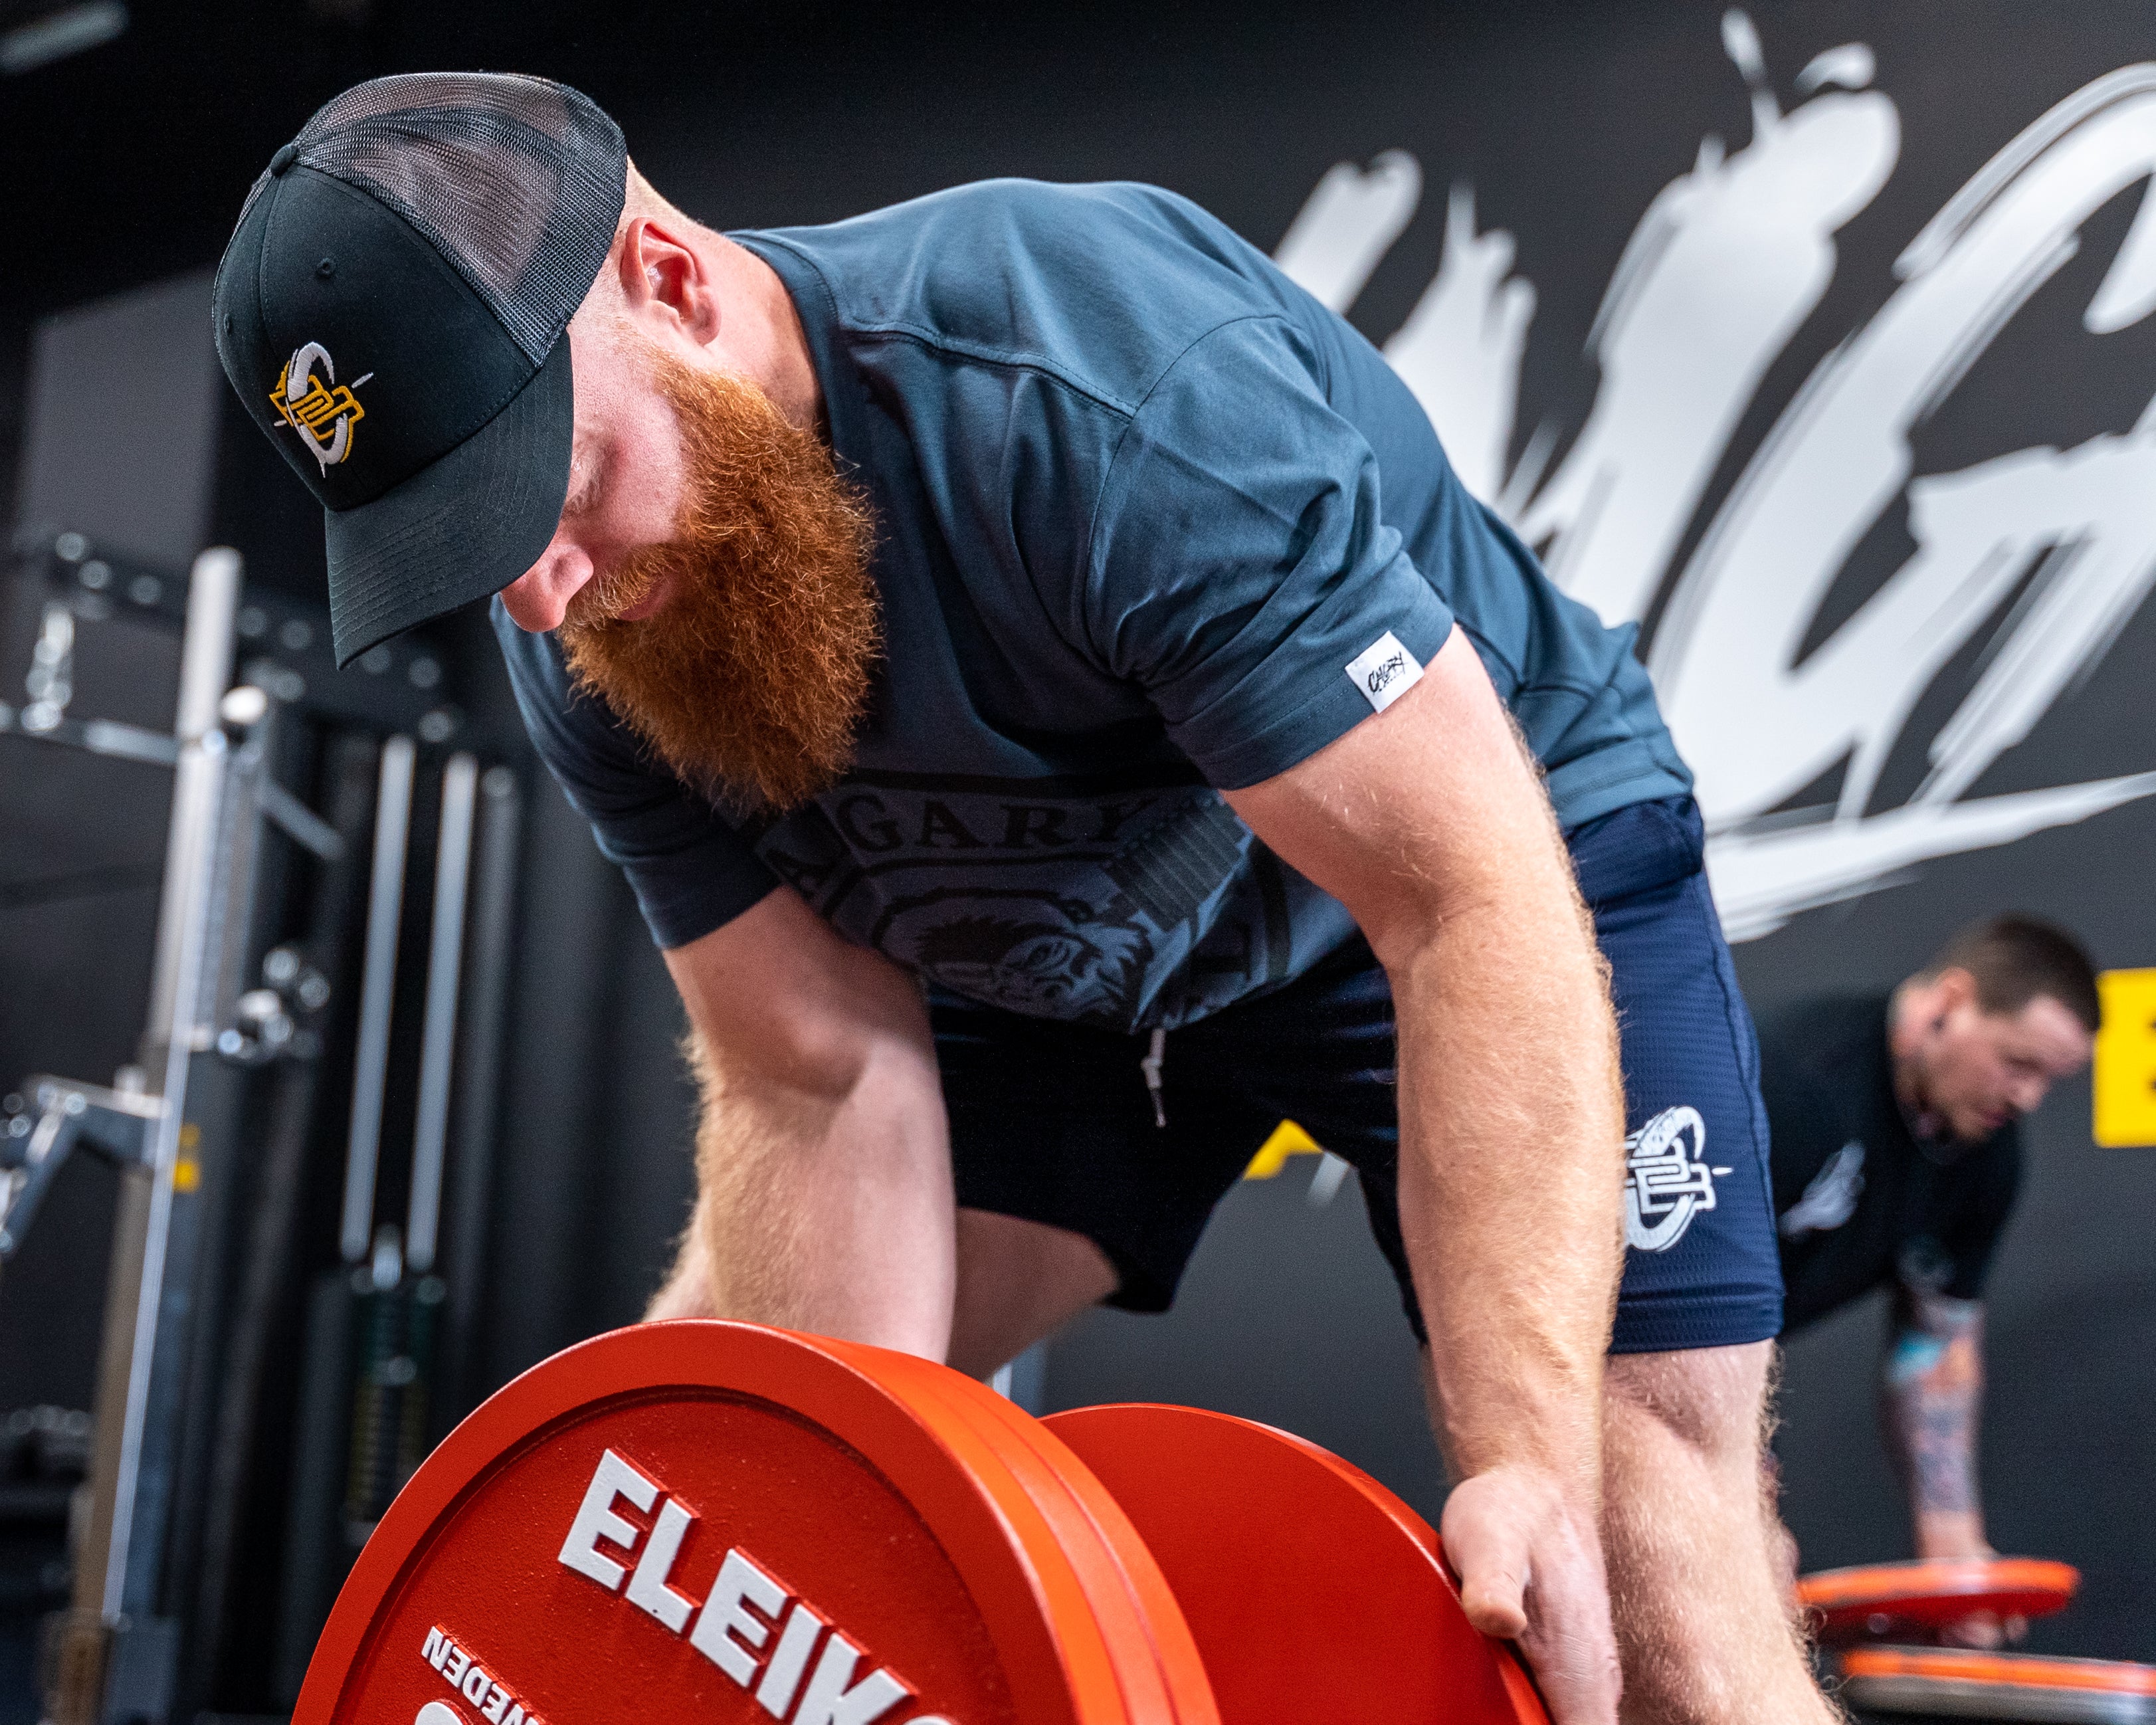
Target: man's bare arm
1428,823
824,1198
1931,1385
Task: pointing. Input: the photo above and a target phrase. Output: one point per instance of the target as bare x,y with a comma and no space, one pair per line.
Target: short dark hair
2014,958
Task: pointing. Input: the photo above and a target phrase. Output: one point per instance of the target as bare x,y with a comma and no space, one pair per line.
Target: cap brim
461,528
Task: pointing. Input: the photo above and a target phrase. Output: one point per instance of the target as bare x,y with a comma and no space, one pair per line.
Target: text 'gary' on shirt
1153,522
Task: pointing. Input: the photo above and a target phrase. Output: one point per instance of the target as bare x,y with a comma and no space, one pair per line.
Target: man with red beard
1060,714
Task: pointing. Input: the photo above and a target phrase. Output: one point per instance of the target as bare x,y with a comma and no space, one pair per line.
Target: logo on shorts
1383,671
323,415
1668,1181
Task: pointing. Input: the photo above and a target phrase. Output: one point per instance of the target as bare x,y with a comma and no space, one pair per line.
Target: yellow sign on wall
2124,1075
1288,1139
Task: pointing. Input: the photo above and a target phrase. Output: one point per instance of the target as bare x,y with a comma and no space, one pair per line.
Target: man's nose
539,598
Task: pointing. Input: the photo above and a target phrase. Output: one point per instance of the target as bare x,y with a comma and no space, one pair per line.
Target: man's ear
1955,988
664,281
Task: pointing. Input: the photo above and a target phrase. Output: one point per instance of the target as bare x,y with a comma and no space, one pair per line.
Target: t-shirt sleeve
1972,1234
1239,570
691,870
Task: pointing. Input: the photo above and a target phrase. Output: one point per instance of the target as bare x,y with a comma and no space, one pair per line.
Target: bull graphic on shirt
1130,910
1040,953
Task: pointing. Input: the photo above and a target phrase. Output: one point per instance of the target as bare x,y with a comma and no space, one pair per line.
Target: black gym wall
1786,251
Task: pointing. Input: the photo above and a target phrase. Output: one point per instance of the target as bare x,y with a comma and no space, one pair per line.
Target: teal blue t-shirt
1152,524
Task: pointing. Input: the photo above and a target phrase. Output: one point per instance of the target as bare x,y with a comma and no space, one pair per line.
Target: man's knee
1019,1282
1711,1401
1686,1510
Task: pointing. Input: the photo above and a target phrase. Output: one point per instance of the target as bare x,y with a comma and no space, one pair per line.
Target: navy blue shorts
1053,1123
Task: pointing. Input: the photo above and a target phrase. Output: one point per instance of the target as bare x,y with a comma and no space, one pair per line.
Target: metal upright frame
116,1650
168,1489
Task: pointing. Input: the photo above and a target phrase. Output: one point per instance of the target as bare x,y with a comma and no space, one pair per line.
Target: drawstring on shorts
1151,1066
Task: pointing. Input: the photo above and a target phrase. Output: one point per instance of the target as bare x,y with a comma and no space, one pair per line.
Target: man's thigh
1057,1125
1054,1126
1712,1401
1701,1266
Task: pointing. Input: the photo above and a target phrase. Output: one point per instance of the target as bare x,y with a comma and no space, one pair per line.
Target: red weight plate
726,1522
1998,1686
1129,1593
1875,1600
2023,1671
1314,1593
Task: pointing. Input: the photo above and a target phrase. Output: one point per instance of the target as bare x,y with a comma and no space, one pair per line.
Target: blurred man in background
1898,1156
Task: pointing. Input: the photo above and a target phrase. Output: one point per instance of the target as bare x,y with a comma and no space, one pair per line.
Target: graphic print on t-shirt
1128,908
1831,1199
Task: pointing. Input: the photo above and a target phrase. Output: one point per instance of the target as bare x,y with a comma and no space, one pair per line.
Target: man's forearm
1512,1158
1932,1385
1430,824
827,1213
824,1198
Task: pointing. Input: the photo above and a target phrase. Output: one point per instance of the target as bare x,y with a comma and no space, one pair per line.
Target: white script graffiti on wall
1724,265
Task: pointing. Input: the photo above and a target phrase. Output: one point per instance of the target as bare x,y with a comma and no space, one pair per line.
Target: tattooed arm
1934,1379
1932,1382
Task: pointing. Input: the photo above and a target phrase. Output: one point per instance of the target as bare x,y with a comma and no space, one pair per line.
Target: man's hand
1531,1571
1982,1629
1428,821
1986,1630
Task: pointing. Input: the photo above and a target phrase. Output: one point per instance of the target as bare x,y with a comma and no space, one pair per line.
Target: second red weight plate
2019,1686
1314,1594
1877,1599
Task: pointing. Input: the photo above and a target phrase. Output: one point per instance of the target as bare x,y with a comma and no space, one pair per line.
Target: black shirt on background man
1860,1201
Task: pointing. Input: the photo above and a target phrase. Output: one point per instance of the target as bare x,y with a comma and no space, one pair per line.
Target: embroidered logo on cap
323,413
1384,671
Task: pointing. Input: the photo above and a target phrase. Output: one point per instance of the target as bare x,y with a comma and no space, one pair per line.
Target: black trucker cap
391,309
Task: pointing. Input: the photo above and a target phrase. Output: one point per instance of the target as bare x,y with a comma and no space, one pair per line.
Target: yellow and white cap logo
323,414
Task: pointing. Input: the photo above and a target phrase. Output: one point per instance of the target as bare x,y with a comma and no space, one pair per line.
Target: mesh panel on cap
517,180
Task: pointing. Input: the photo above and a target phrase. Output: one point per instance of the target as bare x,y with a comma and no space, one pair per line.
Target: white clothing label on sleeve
1383,671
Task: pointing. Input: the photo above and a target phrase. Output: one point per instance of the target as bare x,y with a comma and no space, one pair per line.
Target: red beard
751,681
